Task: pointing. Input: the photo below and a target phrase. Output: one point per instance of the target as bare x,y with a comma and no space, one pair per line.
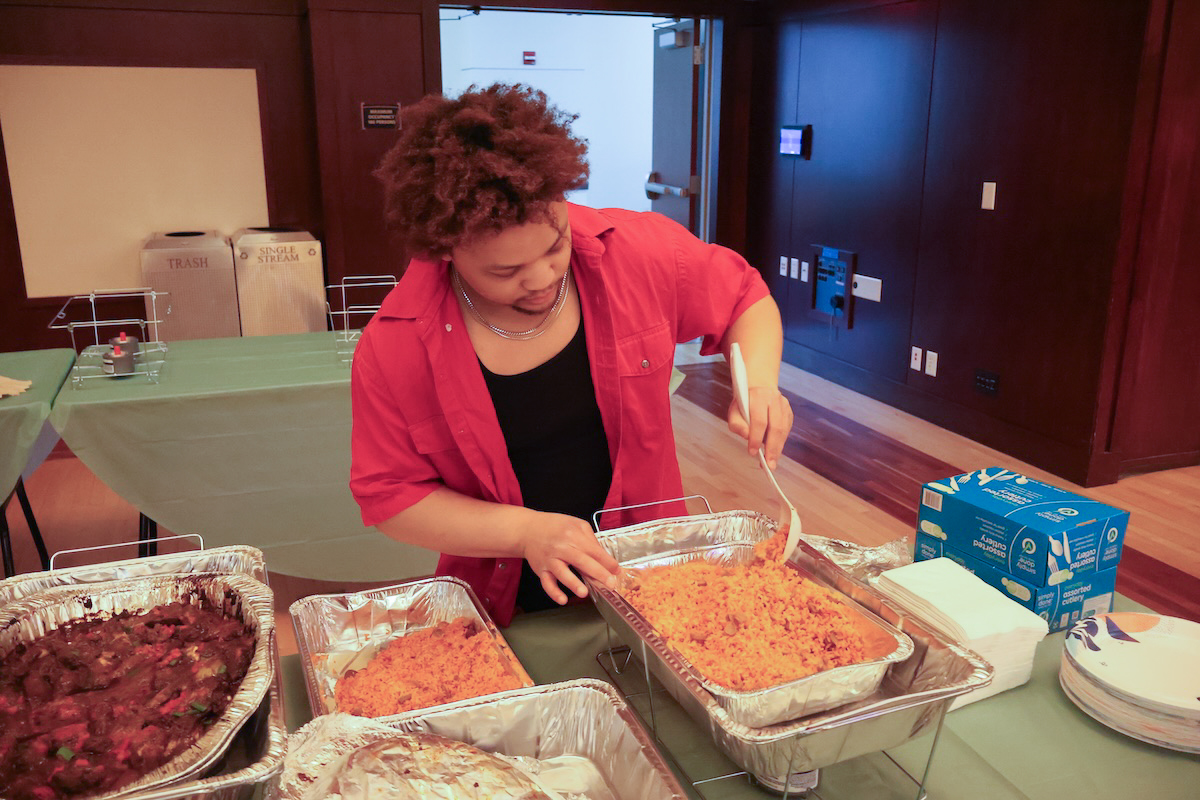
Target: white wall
595,65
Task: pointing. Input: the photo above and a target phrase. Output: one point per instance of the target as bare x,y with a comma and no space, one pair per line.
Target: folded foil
912,694
245,598
577,739
340,632
691,540
234,560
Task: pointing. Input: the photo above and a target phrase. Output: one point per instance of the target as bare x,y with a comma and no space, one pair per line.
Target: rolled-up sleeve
388,473
716,286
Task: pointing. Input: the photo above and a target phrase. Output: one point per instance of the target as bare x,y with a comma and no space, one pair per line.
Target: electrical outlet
914,360
931,359
987,382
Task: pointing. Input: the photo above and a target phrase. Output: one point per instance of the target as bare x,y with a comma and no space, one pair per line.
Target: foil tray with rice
912,691
37,622
769,642
576,740
339,635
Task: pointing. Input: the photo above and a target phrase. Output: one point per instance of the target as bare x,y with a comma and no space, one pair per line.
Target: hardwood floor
853,468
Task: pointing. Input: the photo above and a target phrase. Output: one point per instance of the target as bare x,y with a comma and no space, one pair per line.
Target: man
516,380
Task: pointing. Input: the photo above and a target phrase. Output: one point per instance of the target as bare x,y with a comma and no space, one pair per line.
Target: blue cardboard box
1061,606
1038,533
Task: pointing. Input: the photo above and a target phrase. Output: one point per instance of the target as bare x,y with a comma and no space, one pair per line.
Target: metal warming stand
351,304
89,312
916,705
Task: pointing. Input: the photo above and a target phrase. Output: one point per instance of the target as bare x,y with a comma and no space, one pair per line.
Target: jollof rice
447,662
748,626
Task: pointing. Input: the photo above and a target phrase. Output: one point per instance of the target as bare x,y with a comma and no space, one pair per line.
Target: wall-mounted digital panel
796,140
833,270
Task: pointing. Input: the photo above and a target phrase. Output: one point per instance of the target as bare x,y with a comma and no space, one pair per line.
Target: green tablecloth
22,415
244,441
1028,743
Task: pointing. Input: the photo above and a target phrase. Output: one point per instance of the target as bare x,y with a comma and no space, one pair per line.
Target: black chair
6,540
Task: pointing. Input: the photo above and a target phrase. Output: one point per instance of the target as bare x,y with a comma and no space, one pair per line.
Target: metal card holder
351,303
90,312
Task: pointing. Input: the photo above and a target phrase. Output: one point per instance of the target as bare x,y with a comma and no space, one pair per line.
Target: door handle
655,190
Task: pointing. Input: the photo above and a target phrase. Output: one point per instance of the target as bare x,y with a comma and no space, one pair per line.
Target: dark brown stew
96,704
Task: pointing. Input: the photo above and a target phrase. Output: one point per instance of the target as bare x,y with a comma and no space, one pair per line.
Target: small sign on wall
529,58
385,115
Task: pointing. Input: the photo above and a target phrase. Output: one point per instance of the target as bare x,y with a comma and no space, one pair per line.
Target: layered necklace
532,333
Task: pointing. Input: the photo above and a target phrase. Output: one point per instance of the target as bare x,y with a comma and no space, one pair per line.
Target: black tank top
556,442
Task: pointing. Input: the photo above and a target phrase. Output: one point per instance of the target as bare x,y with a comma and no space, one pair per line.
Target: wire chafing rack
91,312
351,304
786,759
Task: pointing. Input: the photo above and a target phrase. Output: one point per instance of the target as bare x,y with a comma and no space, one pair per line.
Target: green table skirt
243,441
22,415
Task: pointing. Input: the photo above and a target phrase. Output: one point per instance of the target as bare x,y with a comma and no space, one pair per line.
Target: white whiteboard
101,157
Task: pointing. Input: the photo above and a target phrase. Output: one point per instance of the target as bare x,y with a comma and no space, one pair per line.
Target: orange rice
748,626
447,662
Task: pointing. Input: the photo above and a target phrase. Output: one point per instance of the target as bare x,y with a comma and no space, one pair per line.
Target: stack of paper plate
1139,674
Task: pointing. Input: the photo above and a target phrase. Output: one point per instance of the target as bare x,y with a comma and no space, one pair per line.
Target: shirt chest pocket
646,352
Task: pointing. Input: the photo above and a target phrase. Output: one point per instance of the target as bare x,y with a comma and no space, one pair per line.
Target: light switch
931,359
783,266
914,361
867,288
804,271
795,264
989,196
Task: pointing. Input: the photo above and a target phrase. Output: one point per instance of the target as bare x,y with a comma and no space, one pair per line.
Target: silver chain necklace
532,333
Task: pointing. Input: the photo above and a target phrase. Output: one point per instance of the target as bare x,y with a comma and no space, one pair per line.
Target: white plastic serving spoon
789,520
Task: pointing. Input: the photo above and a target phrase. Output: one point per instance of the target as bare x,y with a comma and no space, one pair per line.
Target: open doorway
601,67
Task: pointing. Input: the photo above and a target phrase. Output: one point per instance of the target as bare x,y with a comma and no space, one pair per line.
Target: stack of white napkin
972,613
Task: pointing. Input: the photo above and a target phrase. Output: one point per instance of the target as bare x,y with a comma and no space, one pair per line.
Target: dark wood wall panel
274,44
1039,98
362,57
772,177
1081,281
1156,421
863,84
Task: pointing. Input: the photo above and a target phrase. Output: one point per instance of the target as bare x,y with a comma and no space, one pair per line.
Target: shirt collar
425,283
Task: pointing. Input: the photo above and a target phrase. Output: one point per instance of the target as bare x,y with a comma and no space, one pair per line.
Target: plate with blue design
1149,660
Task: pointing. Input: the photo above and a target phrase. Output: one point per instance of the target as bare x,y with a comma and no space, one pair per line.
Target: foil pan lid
344,757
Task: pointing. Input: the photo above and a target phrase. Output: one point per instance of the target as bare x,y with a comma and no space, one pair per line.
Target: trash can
195,269
280,281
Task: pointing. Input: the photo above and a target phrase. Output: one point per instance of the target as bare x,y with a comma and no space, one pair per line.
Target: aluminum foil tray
912,694
251,601
234,560
339,632
729,538
571,721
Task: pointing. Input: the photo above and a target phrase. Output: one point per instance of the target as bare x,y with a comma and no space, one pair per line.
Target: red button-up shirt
423,417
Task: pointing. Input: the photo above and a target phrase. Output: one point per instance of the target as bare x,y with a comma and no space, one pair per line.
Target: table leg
5,543
147,536
34,531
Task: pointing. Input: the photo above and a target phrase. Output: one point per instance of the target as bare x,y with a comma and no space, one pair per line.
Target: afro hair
478,164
